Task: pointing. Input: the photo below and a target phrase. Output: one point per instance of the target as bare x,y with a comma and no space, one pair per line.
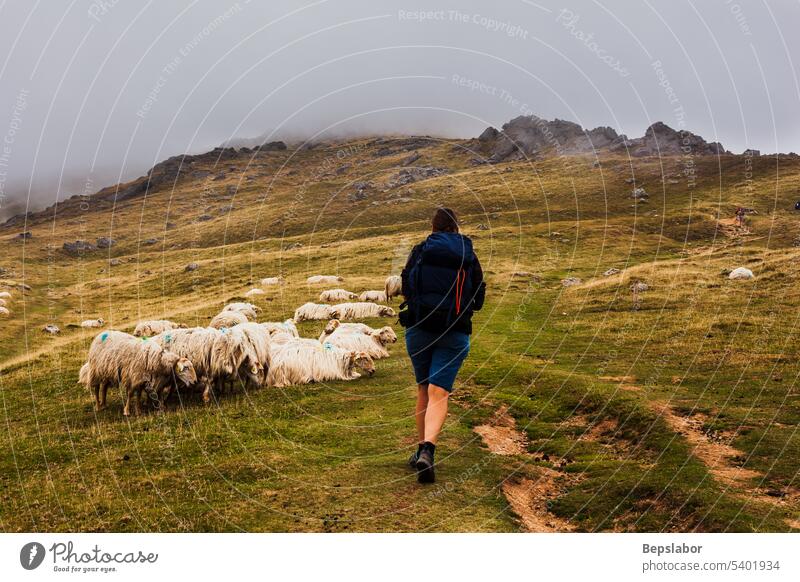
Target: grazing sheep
155,327
373,343
360,311
4,311
303,361
258,340
394,287
324,279
267,281
227,319
5,295
311,311
255,291
287,326
93,323
376,296
133,364
249,310
334,295
216,355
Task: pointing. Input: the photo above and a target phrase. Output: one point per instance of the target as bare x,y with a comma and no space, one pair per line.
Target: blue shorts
436,357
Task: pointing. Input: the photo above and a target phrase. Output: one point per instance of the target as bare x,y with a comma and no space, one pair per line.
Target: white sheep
280,338
311,311
376,296
303,361
93,323
334,295
119,359
4,311
287,326
155,327
255,291
5,295
258,339
217,355
360,311
249,310
355,340
335,324
393,286
324,279
267,281
227,319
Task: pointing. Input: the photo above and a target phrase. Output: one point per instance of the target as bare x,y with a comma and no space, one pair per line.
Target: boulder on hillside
78,247
105,242
24,235
741,273
51,329
191,267
610,272
639,194
571,281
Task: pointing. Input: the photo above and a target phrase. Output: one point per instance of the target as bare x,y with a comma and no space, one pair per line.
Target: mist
97,92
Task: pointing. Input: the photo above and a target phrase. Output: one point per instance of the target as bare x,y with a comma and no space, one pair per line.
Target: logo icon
31,555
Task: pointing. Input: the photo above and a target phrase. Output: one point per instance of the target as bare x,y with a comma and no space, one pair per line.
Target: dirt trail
720,458
528,497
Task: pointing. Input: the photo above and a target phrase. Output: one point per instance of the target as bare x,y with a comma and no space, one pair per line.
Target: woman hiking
442,286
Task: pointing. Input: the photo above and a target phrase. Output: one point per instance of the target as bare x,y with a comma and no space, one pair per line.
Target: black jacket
464,322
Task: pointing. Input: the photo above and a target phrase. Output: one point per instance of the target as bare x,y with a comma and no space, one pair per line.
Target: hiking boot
425,473
412,461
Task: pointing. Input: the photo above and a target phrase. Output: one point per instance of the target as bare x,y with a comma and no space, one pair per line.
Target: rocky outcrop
273,146
531,136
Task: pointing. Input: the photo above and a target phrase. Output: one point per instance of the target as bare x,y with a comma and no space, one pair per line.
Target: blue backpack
440,282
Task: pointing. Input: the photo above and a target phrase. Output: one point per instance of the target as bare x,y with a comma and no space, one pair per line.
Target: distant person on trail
740,212
442,286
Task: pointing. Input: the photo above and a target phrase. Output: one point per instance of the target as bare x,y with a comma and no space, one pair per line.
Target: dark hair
444,220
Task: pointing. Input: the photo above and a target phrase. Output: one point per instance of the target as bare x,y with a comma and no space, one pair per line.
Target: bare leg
422,405
435,413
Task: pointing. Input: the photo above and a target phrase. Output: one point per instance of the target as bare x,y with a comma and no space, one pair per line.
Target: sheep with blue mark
135,365
302,361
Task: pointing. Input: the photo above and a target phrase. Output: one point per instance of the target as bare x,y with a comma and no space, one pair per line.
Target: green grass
332,457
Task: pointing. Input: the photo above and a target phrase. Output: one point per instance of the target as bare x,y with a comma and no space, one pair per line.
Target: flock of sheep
162,355
5,297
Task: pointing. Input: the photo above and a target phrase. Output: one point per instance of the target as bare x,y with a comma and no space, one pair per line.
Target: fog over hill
95,94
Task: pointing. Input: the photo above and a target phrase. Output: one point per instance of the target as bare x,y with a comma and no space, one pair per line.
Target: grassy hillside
580,408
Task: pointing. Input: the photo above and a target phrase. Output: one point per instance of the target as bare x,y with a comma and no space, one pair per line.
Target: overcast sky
95,92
